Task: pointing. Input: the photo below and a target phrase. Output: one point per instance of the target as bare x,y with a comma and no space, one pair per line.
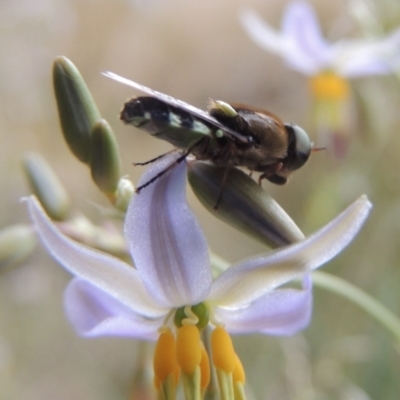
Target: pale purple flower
301,44
172,269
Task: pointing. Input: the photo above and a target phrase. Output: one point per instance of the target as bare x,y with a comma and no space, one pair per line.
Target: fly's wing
180,104
173,124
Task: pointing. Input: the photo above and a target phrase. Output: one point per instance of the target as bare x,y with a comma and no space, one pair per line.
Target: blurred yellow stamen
329,86
188,349
239,380
238,372
223,354
164,357
204,368
177,373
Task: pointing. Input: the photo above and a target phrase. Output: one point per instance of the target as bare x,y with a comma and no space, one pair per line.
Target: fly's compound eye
299,147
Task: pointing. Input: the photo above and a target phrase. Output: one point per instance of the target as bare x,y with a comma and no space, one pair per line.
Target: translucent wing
180,104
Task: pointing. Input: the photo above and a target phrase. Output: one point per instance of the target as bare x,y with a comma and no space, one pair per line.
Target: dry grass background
193,50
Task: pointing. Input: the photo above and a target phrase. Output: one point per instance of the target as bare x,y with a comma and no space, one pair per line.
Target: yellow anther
204,368
188,349
164,357
329,86
223,354
238,371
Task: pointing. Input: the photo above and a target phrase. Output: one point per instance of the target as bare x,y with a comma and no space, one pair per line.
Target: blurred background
193,51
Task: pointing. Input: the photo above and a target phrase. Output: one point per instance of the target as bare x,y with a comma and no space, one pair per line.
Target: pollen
329,86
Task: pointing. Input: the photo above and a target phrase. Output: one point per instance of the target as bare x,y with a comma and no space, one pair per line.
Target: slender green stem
372,307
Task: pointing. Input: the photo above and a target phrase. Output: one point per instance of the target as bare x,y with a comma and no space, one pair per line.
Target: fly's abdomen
164,121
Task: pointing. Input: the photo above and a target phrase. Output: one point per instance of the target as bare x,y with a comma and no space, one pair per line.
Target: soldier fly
230,135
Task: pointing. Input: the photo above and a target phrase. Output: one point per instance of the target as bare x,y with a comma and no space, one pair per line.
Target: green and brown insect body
228,135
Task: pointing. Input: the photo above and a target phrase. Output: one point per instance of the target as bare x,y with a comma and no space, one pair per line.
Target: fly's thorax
269,133
268,138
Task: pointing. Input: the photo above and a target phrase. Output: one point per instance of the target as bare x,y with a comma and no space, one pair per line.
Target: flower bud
105,163
76,108
243,204
16,243
47,187
125,191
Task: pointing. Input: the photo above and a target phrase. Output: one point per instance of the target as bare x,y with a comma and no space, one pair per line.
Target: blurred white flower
303,47
301,44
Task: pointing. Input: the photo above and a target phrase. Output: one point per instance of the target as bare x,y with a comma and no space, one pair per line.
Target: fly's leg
224,177
271,174
165,170
153,159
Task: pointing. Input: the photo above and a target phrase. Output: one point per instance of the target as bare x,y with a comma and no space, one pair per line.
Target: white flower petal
261,33
281,312
166,242
108,273
247,281
300,43
93,312
357,58
310,52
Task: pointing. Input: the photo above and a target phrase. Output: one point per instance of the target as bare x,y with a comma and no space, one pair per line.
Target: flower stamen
228,367
239,379
205,369
329,86
166,368
189,357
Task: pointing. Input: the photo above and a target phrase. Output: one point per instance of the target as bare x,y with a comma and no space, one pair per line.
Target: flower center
329,86
195,315
182,356
330,114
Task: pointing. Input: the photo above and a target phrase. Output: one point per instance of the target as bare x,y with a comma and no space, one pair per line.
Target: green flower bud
77,110
16,243
243,205
47,187
105,162
124,193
